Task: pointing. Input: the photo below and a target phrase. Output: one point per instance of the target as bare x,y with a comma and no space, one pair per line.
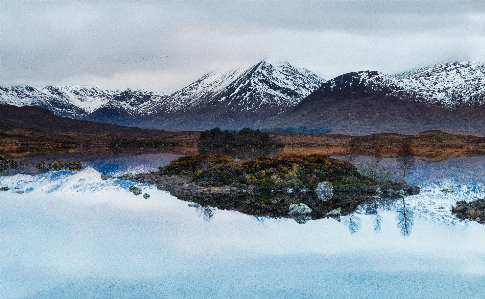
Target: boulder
300,212
324,191
135,190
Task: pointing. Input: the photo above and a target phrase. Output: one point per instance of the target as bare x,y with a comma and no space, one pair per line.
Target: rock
135,190
105,176
335,214
4,188
300,212
146,196
324,191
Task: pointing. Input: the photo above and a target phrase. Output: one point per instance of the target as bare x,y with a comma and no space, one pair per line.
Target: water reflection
206,212
372,209
353,222
405,218
70,227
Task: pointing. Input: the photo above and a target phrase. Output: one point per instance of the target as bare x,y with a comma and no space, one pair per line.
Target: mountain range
448,96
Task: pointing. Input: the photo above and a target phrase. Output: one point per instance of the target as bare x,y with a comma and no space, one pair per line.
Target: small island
303,187
474,210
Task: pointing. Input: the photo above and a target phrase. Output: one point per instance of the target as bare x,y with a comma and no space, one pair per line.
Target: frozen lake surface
74,235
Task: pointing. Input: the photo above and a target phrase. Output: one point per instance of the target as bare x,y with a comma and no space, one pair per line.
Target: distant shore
429,145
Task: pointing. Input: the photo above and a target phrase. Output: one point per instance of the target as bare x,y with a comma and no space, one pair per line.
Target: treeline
243,144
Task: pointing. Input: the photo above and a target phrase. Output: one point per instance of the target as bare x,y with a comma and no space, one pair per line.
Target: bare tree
352,149
405,157
206,212
374,148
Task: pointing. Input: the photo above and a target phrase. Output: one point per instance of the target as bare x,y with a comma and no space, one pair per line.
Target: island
300,186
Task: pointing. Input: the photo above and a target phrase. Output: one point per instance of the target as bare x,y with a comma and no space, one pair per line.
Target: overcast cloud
164,45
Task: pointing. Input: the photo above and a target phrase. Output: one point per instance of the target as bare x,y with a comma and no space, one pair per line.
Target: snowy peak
359,82
78,101
282,81
264,84
139,102
449,84
206,86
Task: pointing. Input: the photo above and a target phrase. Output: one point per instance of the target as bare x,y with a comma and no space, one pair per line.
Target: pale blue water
73,235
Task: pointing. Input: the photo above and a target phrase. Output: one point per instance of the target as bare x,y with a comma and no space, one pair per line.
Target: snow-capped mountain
231,97
239,98
206,87
73,101
449,84
372,102
82,102
268,95
264,84
360,82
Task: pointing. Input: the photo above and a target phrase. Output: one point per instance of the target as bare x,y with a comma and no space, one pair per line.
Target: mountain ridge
448,96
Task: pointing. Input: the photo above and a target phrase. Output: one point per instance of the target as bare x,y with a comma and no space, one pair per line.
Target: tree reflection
353,222
405,219
206,212
372,209
377,223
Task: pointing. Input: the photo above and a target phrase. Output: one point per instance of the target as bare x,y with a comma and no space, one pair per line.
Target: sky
166,45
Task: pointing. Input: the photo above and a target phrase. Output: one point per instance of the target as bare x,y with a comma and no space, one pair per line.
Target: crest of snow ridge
264,84
79,100
449,84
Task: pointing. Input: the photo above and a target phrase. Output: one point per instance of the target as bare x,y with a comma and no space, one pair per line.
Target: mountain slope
233,99
371,102
240,98
79,102
277,95
450,84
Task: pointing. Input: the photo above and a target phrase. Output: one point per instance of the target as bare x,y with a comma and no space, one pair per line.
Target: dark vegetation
268,186
28,131
119,143
474,210
7,164
243,144
57,165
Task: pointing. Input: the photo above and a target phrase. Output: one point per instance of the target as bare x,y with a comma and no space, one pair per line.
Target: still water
74,235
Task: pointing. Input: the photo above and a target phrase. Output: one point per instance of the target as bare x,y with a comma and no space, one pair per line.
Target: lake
74,235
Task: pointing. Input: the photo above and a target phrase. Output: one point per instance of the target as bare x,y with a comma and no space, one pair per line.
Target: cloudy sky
165,45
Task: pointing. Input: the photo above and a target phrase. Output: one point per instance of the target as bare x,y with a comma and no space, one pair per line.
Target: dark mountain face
41,119
369,102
